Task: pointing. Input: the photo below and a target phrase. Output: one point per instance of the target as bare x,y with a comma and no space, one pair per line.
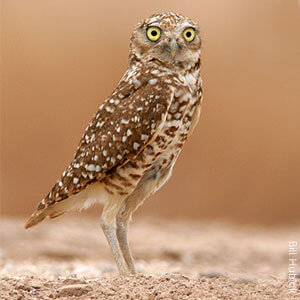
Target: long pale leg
122,221
109,228
145,187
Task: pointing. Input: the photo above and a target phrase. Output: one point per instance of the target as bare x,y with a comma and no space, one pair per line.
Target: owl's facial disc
170,39
175,46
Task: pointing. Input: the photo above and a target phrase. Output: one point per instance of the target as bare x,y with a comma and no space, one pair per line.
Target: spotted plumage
130,146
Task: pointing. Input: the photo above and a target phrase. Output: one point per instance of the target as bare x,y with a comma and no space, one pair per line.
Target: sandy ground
69,258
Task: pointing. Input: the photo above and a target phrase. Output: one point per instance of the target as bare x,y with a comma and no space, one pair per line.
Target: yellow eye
153,33
189,34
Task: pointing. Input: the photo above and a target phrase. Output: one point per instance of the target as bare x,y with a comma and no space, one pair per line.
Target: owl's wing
124,124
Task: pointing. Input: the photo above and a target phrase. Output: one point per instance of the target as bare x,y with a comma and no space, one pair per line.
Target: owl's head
169,38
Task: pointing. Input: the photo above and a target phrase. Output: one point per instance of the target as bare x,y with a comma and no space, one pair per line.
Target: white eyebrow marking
186,24
154,23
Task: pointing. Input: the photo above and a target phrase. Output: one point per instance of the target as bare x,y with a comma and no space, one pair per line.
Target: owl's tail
39,215
89,196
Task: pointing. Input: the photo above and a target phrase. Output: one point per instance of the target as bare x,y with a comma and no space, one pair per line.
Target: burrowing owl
129,148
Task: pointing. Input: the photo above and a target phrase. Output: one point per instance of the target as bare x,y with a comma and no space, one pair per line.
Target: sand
69,258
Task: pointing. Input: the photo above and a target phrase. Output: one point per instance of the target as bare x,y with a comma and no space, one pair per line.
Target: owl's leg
131,203
122,221
108,224
150,182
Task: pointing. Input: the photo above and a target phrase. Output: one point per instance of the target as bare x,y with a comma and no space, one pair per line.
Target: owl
130,146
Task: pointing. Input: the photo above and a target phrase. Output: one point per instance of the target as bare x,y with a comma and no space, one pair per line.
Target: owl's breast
157,159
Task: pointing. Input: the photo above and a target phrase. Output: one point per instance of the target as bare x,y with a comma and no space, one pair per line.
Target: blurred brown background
61,59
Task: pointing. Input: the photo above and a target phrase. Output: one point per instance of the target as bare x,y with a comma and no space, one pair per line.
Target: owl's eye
153,33
189,34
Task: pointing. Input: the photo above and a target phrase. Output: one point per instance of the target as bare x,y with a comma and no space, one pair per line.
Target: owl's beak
172,47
